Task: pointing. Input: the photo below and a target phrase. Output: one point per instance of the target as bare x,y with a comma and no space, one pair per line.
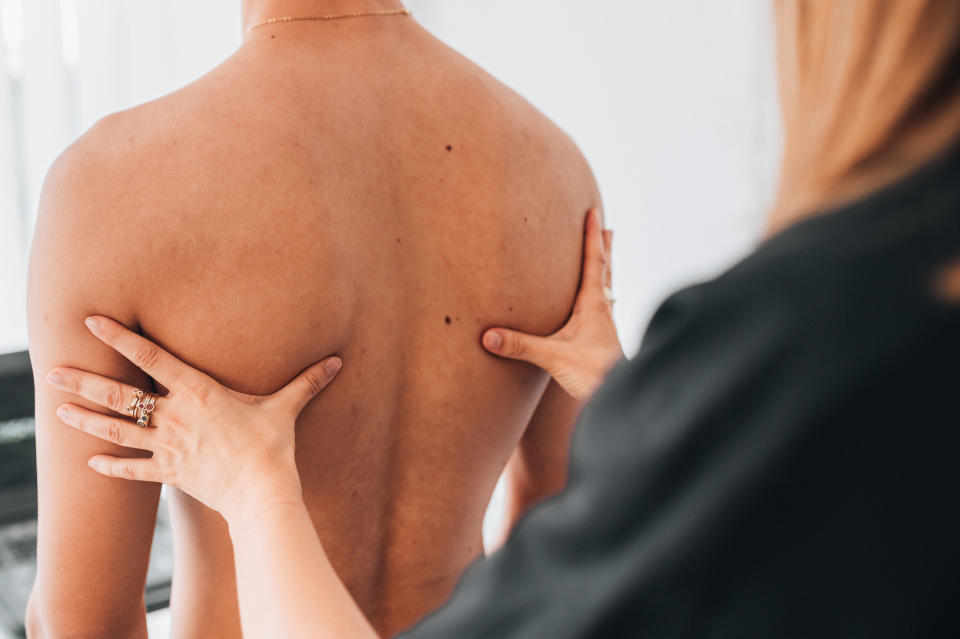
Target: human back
356,189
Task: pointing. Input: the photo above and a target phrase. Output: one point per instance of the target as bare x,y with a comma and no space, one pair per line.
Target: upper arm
538,466
94,532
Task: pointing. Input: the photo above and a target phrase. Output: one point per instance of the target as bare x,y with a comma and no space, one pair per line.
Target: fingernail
493,340
92,323
93,463
63,413
333,366
55,378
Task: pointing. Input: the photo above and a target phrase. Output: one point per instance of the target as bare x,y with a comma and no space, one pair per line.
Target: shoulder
106,161
82,201
127,162
126,154
519,139
543,147
91,217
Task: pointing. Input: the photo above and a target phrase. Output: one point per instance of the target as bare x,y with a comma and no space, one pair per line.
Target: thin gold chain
334,16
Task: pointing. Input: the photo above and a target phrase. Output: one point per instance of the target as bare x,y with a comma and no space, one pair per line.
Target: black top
780,460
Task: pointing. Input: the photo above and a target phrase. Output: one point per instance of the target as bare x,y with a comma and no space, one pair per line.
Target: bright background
673,103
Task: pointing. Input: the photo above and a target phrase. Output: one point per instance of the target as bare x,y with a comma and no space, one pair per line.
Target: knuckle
126,471
115,397
517,346
314,382
146,356
115,432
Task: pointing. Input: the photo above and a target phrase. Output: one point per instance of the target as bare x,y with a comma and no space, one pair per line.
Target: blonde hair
869,89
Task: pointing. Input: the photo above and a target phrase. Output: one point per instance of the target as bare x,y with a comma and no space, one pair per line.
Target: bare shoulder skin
353,189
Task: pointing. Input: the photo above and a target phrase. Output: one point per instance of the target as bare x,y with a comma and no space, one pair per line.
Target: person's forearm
287,586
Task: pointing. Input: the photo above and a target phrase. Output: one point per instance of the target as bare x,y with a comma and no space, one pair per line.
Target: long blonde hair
869,89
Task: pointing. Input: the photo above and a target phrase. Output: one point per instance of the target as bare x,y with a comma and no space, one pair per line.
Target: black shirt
780,459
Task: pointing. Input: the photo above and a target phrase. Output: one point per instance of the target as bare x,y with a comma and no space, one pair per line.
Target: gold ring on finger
137,396
145,410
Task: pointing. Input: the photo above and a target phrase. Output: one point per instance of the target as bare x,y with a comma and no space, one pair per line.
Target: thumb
308,384
539,351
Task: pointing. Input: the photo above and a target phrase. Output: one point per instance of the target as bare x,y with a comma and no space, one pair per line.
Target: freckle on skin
511,309
447,319
449,147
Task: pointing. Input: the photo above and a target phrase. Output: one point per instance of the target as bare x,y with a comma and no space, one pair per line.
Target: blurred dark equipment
18,505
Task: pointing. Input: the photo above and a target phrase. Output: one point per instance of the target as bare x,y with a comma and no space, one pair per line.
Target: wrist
246,501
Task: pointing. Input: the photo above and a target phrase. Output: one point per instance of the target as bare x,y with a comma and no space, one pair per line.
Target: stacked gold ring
137,396
142,406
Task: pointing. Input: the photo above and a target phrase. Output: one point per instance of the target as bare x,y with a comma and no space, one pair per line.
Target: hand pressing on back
580,355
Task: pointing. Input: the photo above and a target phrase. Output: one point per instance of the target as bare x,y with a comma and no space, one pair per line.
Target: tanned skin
352,188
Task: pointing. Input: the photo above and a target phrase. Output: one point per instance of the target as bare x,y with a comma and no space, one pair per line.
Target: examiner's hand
227,449
580,354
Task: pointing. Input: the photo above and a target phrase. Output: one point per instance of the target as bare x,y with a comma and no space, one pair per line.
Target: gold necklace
335,16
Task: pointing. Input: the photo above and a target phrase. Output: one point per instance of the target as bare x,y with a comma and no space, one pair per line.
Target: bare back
364,192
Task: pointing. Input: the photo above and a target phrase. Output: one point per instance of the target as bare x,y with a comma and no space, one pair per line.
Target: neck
257,10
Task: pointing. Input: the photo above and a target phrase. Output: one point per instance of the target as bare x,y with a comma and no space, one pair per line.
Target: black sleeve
718,489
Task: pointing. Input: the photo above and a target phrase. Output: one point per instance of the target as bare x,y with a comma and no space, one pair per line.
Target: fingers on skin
99,390
309,383
515,345
112,429
594,256
122,468
144,354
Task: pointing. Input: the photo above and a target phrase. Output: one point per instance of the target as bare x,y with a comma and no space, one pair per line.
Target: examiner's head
869,90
